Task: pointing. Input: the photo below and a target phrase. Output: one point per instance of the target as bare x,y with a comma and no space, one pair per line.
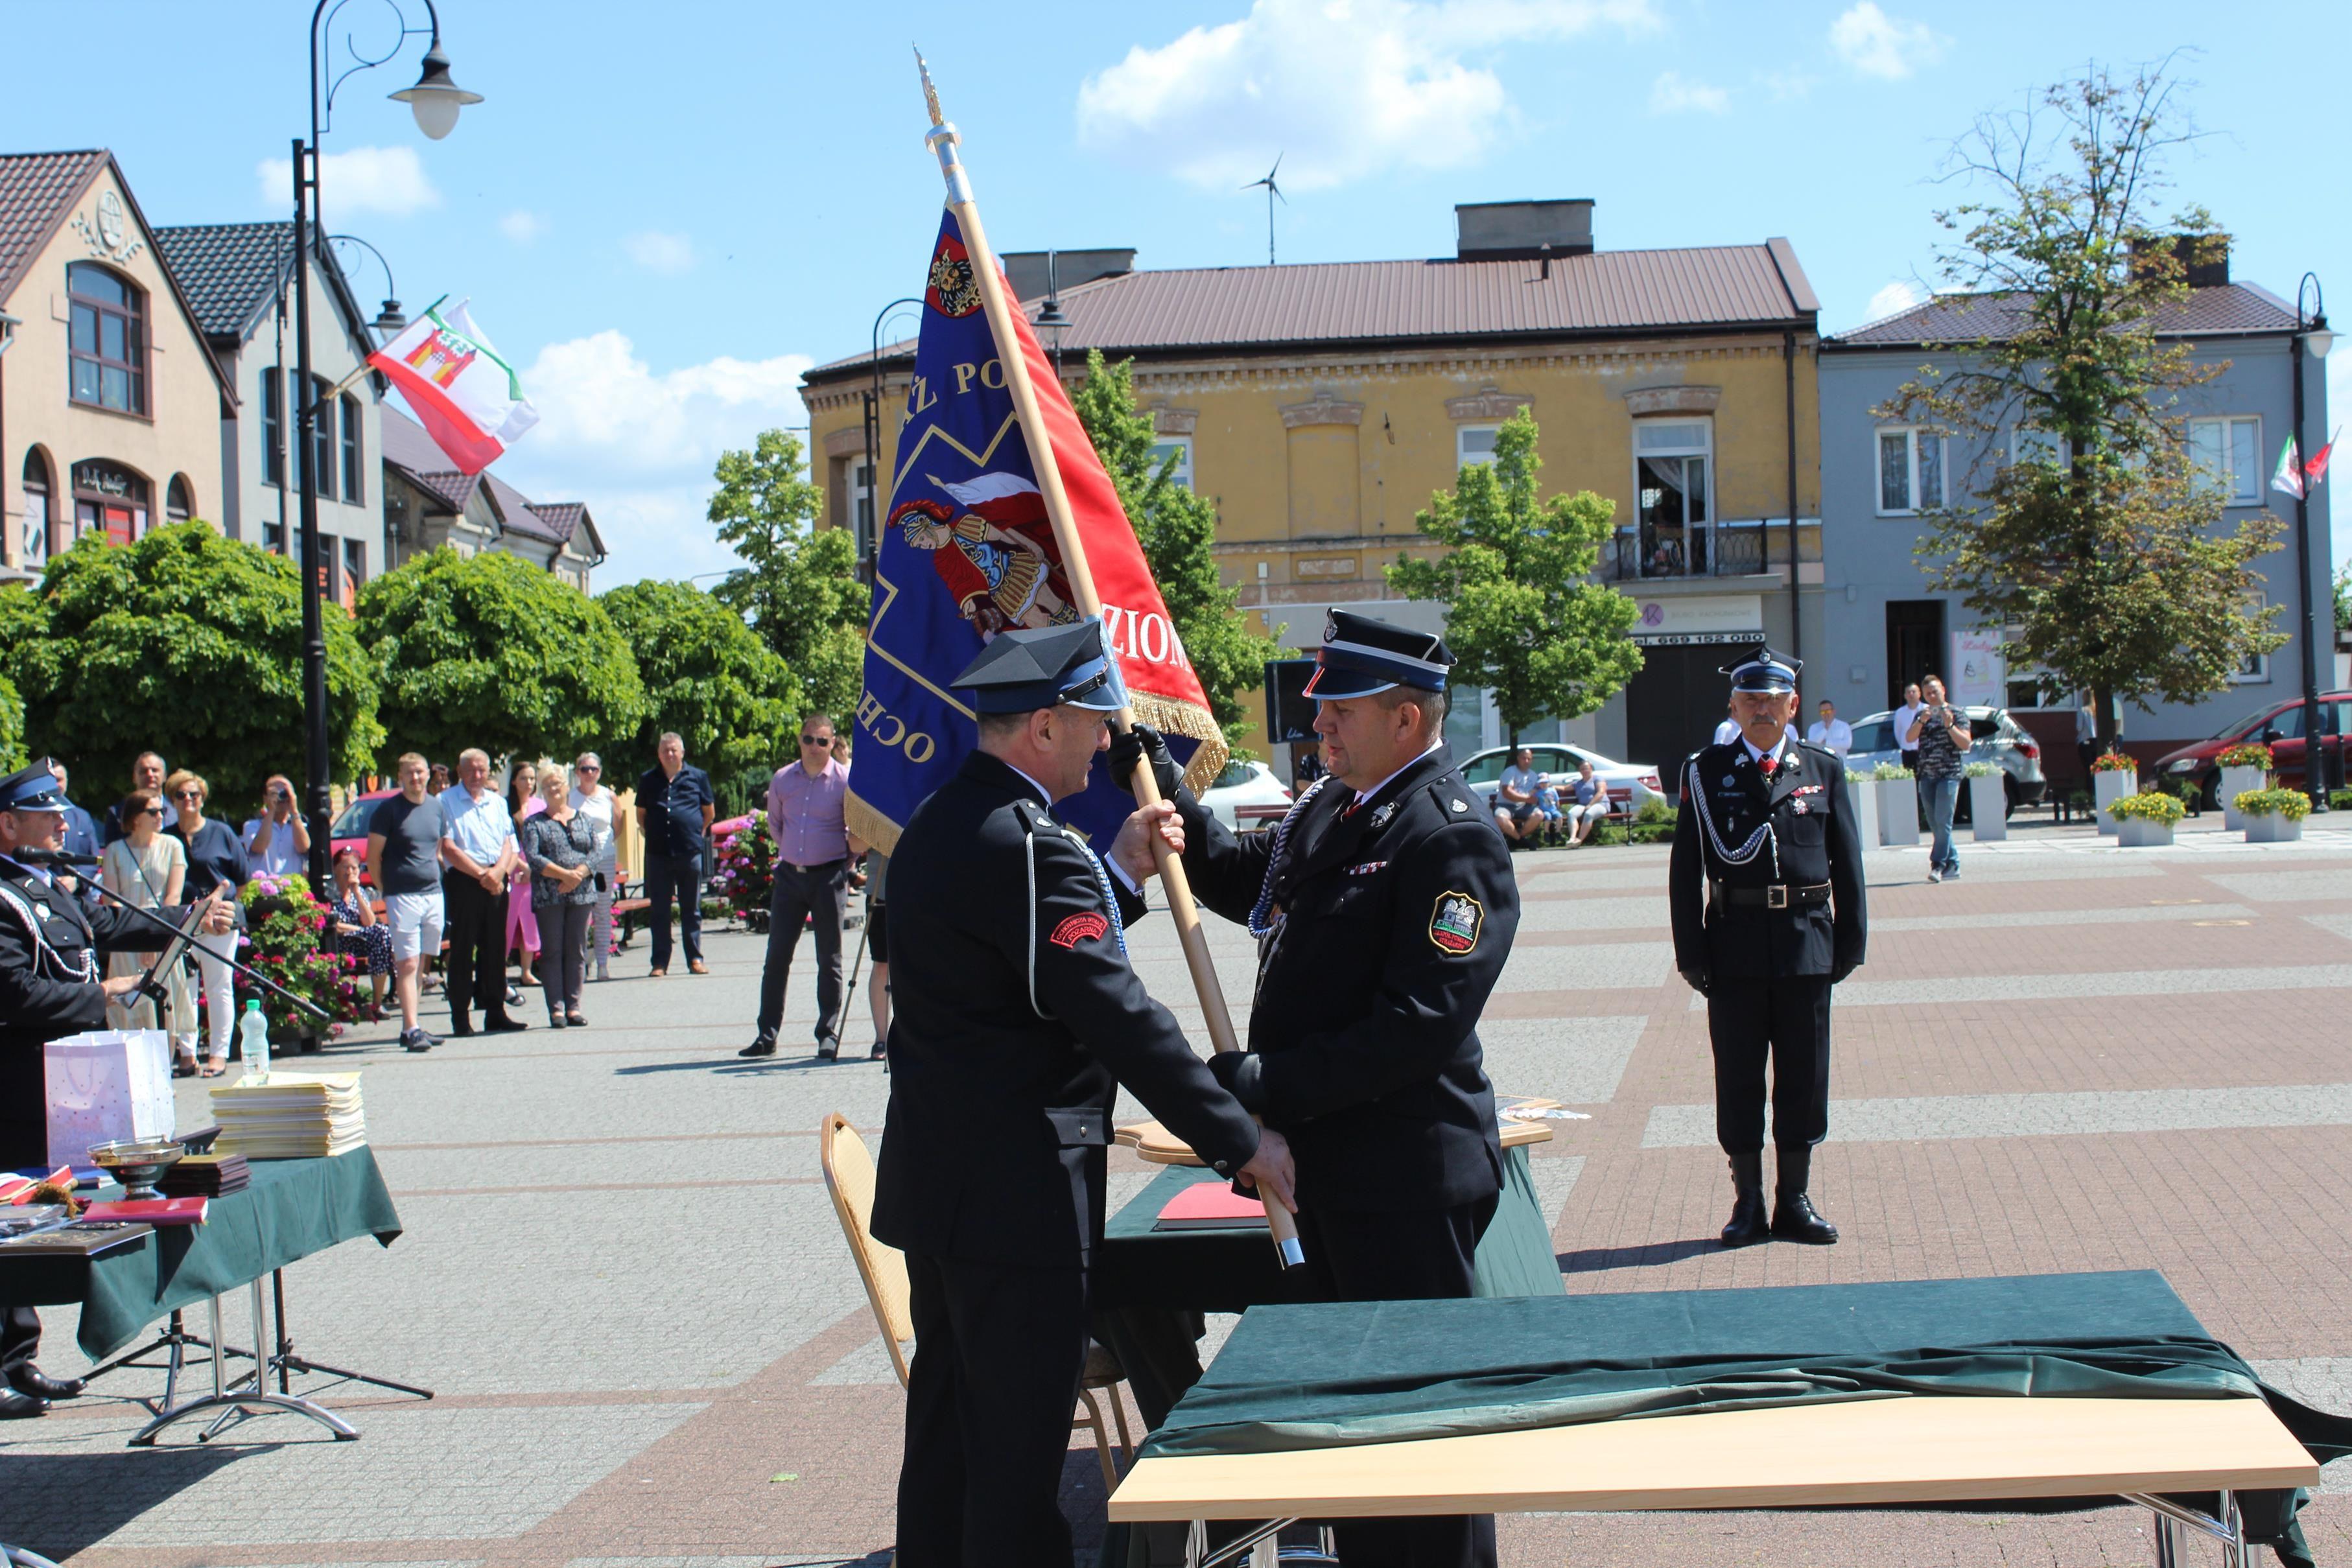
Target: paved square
622,1276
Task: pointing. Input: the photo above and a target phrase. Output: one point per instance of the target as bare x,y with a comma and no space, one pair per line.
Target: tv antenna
1272,190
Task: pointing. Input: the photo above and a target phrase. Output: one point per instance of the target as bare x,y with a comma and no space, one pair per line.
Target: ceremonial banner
468,400
967,550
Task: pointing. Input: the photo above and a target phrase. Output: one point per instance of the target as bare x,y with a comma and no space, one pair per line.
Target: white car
1244,784
1630,783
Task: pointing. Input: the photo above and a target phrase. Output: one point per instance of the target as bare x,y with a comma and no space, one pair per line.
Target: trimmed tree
2099,545
1520,615
1175,526
490,651
187,644
798,585
706,675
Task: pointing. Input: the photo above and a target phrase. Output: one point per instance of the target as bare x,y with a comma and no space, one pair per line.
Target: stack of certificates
290,1116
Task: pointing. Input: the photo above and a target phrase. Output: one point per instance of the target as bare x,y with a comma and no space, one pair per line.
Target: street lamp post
434,102
2312,338
869,527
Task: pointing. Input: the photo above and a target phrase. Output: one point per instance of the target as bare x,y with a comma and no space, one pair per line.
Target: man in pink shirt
813,853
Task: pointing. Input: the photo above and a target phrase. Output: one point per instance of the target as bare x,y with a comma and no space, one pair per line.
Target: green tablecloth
293,1208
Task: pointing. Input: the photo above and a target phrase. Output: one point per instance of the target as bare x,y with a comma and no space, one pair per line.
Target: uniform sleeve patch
1077,928
1456,922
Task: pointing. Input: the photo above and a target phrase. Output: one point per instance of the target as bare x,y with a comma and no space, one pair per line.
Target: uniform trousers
20,1339
821,891
1787,1020
1428,1254
477,927
998,1354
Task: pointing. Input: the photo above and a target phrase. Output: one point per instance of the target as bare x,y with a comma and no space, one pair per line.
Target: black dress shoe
15,1406
763,1046
1794,1217
1747,1225
503,1025
34,1384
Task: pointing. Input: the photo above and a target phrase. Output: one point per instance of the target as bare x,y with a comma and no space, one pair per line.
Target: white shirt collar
1755,754
1043,793
1367,794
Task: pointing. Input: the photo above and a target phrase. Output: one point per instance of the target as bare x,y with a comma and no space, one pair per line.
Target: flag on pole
2316,469
966,551
2288,474
468,400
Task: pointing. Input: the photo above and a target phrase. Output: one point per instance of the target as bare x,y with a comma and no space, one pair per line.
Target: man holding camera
1765,892
277,842
1939,739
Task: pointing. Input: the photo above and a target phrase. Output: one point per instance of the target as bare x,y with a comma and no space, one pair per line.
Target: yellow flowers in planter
2151,807
2292,804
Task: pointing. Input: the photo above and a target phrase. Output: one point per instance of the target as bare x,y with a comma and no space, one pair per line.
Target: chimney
2204,259
1071,268
1522,231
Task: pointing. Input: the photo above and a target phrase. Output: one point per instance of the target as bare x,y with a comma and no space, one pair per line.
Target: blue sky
665,213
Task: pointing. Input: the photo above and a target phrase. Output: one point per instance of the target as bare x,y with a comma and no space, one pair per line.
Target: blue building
1884,626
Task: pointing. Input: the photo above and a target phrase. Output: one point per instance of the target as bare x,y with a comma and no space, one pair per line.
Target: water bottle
253,1038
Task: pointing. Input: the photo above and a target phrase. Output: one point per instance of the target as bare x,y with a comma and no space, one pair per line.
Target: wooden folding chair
849,1176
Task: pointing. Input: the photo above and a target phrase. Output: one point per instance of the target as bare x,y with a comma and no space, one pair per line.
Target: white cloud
658,252
1897,295
1341,88
522,225
386,180
1878,45
1788,85
1673,93
638,445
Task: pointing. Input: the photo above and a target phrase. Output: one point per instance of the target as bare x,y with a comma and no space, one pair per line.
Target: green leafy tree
1175,527
706,675
492,652
798,585
2343,599
22,617
188,643
12,727
1521,618
2101,546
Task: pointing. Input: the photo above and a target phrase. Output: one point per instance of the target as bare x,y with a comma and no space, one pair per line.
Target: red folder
1210,1205
16,1190
151,1210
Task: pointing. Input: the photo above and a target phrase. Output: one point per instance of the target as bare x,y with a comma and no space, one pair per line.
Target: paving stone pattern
623,1274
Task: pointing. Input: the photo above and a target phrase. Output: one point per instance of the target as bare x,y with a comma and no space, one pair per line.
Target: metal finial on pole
930,93
941,140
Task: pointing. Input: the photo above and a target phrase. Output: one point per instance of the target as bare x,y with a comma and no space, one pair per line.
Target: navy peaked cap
33,789
1762,670
1361,656
1020,672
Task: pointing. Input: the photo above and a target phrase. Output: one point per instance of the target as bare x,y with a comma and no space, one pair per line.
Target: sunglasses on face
149,811
823,741
588,767
187,795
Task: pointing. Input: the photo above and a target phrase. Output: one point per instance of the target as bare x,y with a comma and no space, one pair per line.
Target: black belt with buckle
1773,896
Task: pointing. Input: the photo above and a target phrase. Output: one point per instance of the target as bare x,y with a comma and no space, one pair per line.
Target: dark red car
351,829
2280,724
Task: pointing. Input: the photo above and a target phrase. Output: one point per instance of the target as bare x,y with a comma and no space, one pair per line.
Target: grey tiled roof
36,190
408,448
230,272
2225,309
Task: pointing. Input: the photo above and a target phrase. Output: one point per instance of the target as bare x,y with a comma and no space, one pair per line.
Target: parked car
2280,724
351,829
1242,783
1630,783
1998,739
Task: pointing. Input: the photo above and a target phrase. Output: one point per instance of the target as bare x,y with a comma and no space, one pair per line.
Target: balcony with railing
1747,546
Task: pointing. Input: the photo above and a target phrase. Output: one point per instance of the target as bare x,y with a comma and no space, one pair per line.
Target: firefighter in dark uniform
1016,1017
1384,907
49,989
1766,888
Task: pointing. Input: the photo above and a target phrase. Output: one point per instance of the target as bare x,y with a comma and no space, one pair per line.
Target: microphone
51,857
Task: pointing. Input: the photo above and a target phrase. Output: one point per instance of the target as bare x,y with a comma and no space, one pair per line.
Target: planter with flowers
1898,804
2245,770
2146,822
2272,816
1988,801
743,868
1862,790
286,938
2112,776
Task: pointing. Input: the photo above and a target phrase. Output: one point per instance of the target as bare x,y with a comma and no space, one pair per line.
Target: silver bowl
137,1165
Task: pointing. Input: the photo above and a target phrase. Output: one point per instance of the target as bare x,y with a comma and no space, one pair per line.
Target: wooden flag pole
942,138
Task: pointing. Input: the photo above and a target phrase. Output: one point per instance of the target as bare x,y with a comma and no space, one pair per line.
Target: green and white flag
2288,474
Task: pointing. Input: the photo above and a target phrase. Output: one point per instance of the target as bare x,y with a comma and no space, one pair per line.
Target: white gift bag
105,1086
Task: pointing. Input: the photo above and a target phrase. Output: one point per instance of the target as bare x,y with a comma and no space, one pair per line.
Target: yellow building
112,407
1322,404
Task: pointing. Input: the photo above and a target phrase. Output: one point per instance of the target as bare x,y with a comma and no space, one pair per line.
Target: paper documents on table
291,1116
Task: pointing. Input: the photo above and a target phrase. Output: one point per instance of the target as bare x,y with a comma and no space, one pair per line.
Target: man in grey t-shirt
404,863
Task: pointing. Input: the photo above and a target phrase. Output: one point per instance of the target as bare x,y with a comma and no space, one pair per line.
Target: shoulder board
1455,800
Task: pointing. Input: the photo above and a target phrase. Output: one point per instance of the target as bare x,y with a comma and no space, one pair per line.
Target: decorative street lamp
2311,336
434,100
391,321
869,525
1050,321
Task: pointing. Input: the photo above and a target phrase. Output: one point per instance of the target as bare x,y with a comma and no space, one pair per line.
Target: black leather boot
1748,1226
1794,1217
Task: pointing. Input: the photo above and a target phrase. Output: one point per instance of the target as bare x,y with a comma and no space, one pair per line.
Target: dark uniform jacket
1812,840
1014,1011
1396,920
41,1001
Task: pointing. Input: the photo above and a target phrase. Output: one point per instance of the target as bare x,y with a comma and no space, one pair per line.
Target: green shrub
1980,771
2340,800
1888,772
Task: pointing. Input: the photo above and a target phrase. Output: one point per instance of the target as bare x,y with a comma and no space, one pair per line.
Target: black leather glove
1241,1073
1843,968
1142,740
1697,980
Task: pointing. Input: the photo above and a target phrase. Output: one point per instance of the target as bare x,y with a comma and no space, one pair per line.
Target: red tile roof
35,190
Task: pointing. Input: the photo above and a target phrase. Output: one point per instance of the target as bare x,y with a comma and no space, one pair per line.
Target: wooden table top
1155,1145
1917,1450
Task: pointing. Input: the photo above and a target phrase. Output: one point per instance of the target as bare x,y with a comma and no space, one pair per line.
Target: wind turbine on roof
1272,190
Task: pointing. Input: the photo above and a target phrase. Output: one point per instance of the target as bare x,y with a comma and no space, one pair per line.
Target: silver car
1630,783
1998,739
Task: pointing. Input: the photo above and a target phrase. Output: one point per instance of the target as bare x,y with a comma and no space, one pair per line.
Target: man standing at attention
675,809
1765,886
814,847
1018,1018
1830,731
1384,907
477,846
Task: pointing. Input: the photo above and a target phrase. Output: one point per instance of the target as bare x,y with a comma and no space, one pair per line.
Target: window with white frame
1475,443
2257,667
1910,471
1181,448
2228,454
1672,502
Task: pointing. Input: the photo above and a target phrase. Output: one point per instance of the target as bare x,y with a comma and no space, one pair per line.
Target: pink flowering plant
744,867
289,937
2114,762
